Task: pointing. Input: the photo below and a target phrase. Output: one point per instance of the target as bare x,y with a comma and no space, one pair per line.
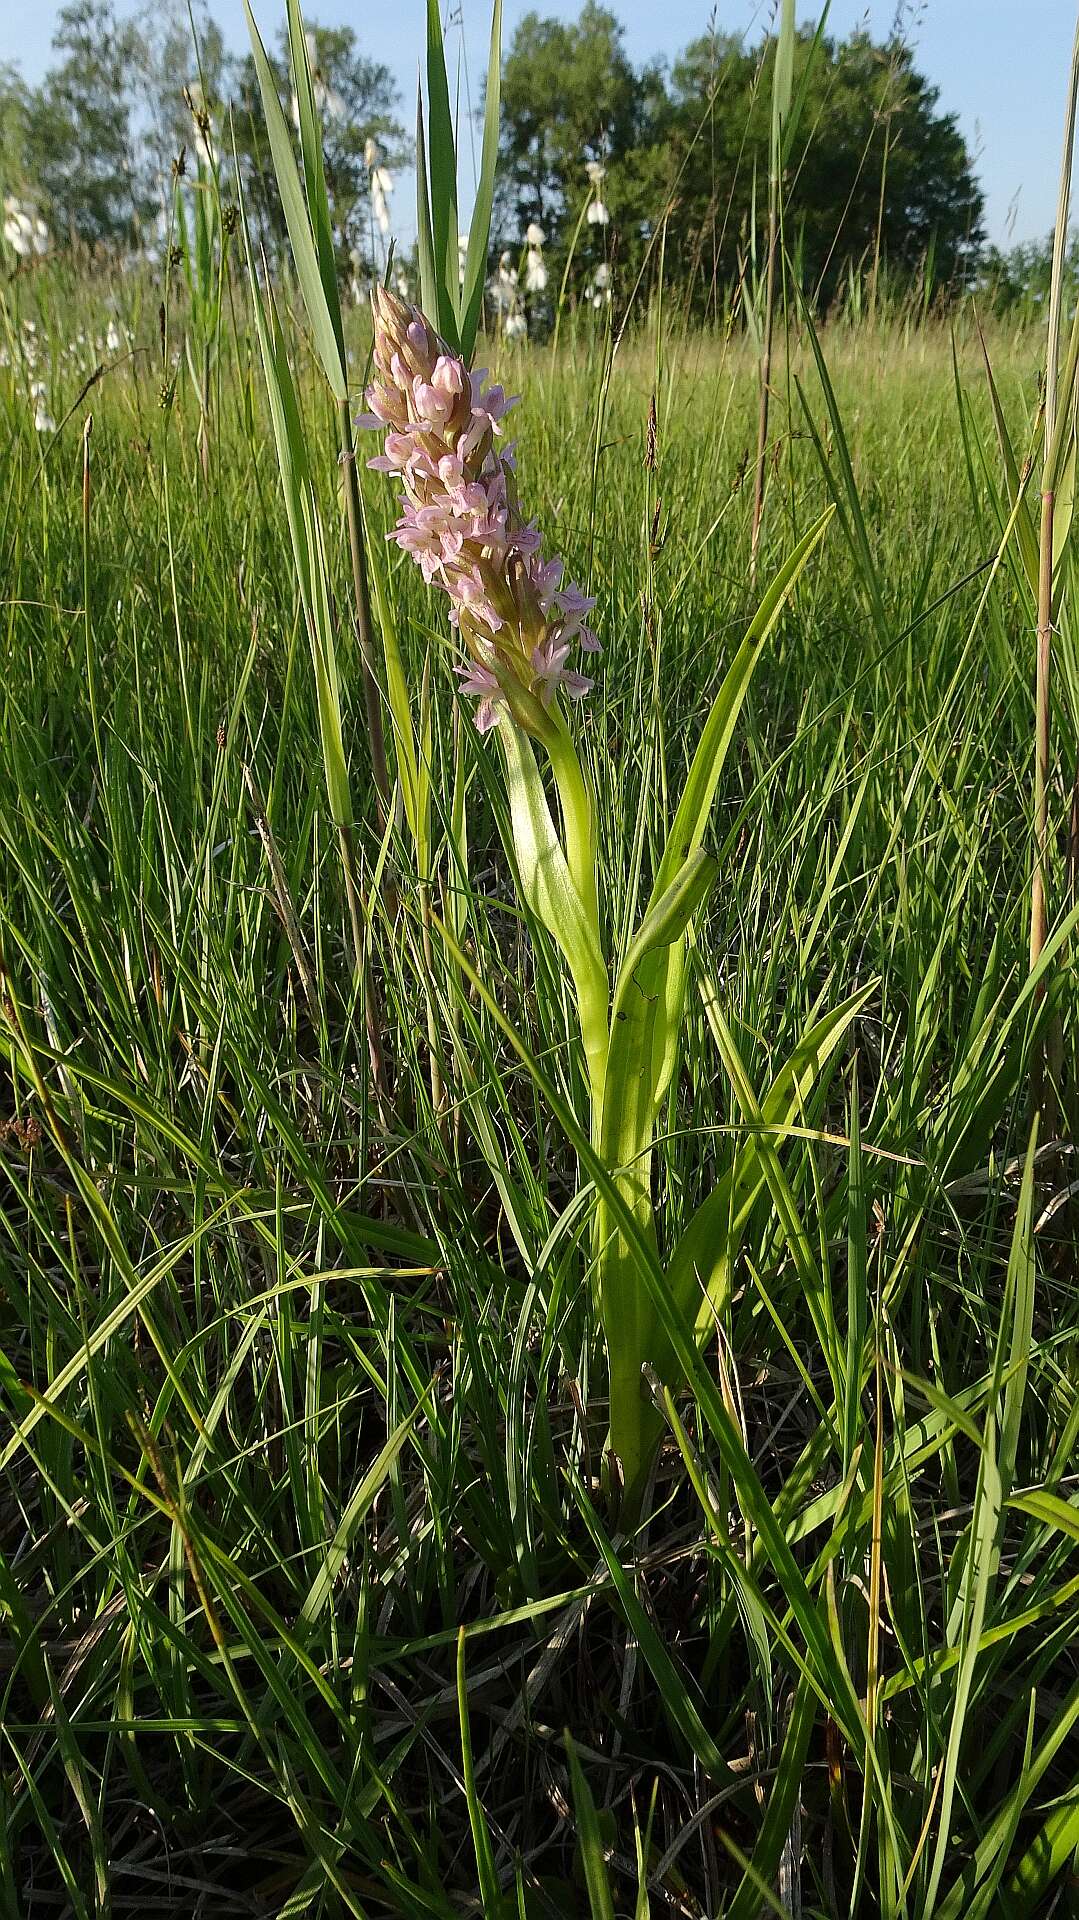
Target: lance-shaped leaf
666,978
479,231
305,215
441,160
1064,505
625,1134
425,244
641,1016
409,772
782,87
646,1027
546,882
691,817
700,1266
308,547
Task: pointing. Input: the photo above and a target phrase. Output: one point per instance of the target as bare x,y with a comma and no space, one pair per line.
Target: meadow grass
315,1599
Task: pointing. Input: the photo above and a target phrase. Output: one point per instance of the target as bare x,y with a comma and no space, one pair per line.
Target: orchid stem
579,823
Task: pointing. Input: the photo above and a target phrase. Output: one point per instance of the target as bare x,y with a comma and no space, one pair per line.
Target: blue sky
1000,65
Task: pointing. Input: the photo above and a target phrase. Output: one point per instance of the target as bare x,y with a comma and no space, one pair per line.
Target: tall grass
314,1598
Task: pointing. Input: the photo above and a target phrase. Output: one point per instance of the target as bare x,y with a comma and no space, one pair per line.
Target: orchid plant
524,633
519,623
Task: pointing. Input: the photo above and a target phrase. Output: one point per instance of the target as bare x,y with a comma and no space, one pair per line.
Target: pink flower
549,666
462,524
481,682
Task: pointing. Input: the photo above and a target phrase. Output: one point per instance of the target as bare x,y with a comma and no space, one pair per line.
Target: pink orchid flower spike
462,524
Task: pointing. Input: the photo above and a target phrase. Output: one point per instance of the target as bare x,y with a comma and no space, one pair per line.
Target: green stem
635,1425
624,1309
579,822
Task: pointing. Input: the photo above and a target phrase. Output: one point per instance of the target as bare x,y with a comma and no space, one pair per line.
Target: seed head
461,522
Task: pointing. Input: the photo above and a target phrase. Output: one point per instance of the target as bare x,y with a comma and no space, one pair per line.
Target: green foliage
1016,279
452,273
314,1597
94,144
92,147
290,1395
80,138
869,149
569,95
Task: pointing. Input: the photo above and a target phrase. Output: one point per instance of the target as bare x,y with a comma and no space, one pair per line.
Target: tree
570,95
168,65
79,144
16,111
878,177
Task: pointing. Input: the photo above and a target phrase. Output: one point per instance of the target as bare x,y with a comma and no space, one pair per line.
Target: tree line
614,162
130,100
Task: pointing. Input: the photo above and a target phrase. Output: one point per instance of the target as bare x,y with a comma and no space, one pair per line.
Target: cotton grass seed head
461,521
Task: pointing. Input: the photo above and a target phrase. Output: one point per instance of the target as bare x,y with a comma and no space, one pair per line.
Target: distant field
228,1274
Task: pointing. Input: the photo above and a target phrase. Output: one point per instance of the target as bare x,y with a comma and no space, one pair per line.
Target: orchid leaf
546,883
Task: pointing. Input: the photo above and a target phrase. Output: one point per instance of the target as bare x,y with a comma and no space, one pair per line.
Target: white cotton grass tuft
381,187
535,274
43,420
598,215
598,291
503,291
327,99
24,230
